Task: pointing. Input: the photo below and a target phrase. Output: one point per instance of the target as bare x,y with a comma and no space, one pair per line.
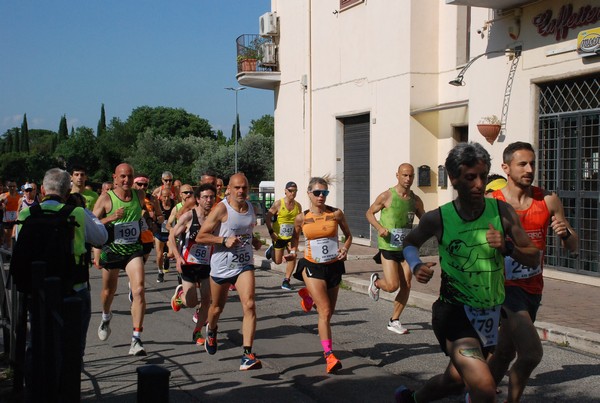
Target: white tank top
229,262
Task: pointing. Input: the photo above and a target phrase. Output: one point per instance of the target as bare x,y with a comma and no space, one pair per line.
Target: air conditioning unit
268,24
269,54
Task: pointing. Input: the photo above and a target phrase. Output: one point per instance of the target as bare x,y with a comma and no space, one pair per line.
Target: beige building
361,86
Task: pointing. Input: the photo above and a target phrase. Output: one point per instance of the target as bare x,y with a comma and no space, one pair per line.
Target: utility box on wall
442,177
424,175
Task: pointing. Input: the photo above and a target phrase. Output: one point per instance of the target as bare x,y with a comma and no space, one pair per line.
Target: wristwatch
509,248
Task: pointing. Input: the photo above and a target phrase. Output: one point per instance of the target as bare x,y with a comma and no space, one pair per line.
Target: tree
101,122
16,140
80,149
265,126
63,130
168,122
235,126
255,158
24,135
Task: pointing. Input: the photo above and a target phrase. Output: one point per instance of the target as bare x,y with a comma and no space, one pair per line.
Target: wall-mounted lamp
458,81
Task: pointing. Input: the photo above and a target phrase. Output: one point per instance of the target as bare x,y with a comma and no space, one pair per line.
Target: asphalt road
375,360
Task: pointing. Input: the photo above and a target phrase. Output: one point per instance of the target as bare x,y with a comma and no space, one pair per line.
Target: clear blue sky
70,56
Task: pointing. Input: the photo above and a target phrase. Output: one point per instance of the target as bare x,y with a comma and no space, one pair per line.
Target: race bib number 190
127,233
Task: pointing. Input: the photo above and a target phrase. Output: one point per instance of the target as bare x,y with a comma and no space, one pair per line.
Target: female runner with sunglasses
322,267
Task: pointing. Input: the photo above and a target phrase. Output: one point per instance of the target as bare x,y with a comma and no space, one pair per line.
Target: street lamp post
238,89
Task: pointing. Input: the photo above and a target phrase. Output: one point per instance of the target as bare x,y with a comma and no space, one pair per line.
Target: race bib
127,233
145,226
485,321
241,255
516,271
163,228
324,250
286,230
198,254
10,216
397,236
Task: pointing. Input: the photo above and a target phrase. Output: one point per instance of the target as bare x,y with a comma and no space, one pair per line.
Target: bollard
153,384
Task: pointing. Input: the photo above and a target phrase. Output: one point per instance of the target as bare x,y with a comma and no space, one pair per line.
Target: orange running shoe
333,364
176,302
307,301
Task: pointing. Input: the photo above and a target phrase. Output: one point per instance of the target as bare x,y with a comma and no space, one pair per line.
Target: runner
537,209
78,179
193,259
229,227
152,214
10,200
398,206
121,211
322,267
167,183
166,205
29,197
471,233
284,211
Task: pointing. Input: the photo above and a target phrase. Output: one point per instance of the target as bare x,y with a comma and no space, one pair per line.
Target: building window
568,163
463,35
346,4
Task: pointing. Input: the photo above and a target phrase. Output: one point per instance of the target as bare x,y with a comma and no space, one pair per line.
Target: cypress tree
24,135
101,122
63,130
16,142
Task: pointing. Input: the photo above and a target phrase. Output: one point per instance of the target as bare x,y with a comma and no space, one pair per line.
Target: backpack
47,236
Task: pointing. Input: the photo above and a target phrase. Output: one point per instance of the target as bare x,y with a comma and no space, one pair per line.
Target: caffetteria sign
588,42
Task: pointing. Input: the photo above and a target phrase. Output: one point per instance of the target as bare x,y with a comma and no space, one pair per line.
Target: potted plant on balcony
489,127
249,55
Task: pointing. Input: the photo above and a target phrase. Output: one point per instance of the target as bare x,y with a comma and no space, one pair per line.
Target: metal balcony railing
256,53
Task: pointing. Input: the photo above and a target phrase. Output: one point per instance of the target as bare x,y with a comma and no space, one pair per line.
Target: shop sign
588,42
566,19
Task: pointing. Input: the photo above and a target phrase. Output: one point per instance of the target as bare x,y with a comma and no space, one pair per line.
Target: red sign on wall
566,19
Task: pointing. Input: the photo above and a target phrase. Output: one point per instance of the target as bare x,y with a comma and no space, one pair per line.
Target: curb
577,339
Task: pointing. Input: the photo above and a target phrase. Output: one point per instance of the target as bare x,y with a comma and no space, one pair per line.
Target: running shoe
197,337
176,302
404,395
161,277
269,252
333,364
232,287
306,302
195,317
210,343
104,329
130,295
396,327
249,361
137,347
165,262
285,285
373,290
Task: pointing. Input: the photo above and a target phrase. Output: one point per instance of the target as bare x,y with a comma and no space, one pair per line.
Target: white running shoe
373,290
104,329
396,327
137,347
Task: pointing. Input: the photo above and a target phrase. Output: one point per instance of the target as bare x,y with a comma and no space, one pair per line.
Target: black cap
291,185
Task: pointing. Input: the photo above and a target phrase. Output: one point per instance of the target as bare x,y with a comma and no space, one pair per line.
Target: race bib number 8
127,233
515,270
485,321
397,236
324,250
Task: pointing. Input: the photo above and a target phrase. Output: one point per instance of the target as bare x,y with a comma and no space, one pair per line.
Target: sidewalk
565,316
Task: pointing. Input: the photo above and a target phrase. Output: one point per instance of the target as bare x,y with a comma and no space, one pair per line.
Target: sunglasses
168,180
318,193
292,190
28,190
142,185
187,192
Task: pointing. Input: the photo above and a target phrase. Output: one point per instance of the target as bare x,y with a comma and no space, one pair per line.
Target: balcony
257,64
493,4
